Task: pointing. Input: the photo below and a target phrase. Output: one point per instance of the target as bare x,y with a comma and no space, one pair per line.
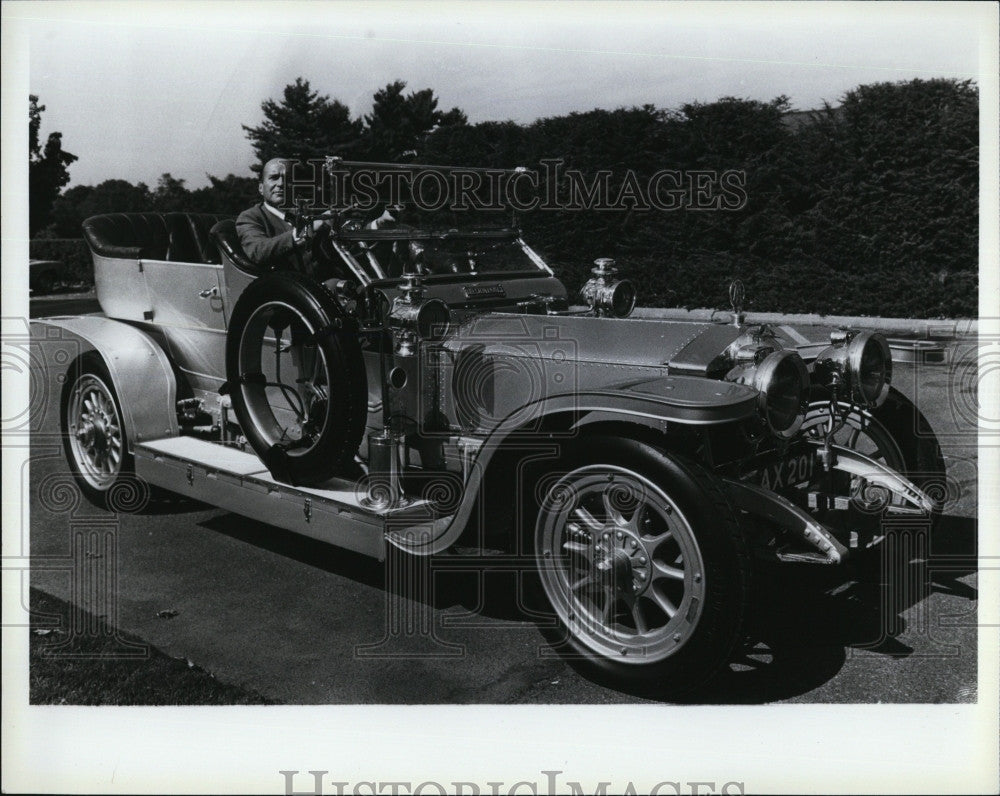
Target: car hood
675,347
504,366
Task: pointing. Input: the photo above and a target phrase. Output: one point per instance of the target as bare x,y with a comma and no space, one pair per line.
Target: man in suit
273,243
268,239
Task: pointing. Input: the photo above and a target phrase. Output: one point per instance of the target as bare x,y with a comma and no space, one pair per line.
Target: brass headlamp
857,366
608,296
782,383
413,318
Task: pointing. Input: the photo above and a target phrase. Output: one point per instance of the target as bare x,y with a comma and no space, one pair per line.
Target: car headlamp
858,365
782,382
433,319
608,296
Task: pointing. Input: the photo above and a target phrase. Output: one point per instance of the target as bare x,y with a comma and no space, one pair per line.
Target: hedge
870,208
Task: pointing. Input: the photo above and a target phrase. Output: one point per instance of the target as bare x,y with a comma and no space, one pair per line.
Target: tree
454,118
731,130
82,201
47,168
400,124
230,195
303,125
170,195
67,213
226,196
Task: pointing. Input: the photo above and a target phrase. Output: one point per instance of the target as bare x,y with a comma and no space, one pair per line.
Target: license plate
790,472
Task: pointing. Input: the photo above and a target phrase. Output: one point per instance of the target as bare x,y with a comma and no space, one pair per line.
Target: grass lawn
97,665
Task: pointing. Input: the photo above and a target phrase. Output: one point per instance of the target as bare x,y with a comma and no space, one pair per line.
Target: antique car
43,275
441,376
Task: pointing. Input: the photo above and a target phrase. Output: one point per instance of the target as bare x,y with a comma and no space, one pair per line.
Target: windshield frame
369,270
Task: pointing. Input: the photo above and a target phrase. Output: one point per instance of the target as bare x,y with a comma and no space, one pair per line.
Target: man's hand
307,232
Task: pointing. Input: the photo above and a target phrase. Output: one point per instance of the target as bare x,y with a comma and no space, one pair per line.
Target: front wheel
641,558
897,435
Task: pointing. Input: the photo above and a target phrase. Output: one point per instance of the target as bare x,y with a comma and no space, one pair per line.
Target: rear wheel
94,435
641,558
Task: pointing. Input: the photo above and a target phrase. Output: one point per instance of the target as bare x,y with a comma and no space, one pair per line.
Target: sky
146,88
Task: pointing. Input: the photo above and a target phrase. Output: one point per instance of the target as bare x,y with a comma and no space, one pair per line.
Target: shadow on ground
803,620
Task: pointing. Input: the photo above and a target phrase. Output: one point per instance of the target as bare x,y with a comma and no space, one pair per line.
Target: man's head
273,181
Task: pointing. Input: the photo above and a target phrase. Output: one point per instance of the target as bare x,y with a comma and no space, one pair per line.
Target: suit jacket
268,241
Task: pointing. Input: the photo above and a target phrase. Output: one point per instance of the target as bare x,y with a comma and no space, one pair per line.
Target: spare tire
296,375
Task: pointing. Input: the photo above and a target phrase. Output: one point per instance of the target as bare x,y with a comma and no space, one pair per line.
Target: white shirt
278,214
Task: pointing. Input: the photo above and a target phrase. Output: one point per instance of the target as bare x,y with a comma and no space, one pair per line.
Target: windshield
389,253
470,256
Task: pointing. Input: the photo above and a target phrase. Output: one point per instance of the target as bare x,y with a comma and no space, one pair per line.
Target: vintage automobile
43,275
442,376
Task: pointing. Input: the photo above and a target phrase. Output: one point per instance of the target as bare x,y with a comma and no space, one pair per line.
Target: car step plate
237,481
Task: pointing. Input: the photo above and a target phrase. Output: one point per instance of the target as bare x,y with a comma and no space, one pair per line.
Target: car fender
140,371
653,403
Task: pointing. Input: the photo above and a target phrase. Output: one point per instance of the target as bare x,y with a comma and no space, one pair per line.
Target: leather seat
131,236
190,238
228,242
177,237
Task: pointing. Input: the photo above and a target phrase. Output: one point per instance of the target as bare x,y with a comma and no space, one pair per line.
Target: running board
238,482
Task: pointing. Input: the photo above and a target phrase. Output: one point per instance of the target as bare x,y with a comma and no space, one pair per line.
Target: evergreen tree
302,126
82,201
398,126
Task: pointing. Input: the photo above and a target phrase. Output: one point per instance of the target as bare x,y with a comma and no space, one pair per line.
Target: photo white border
778,748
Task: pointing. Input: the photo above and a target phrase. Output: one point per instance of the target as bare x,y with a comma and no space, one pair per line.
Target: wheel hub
86,434
94,435
622,561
